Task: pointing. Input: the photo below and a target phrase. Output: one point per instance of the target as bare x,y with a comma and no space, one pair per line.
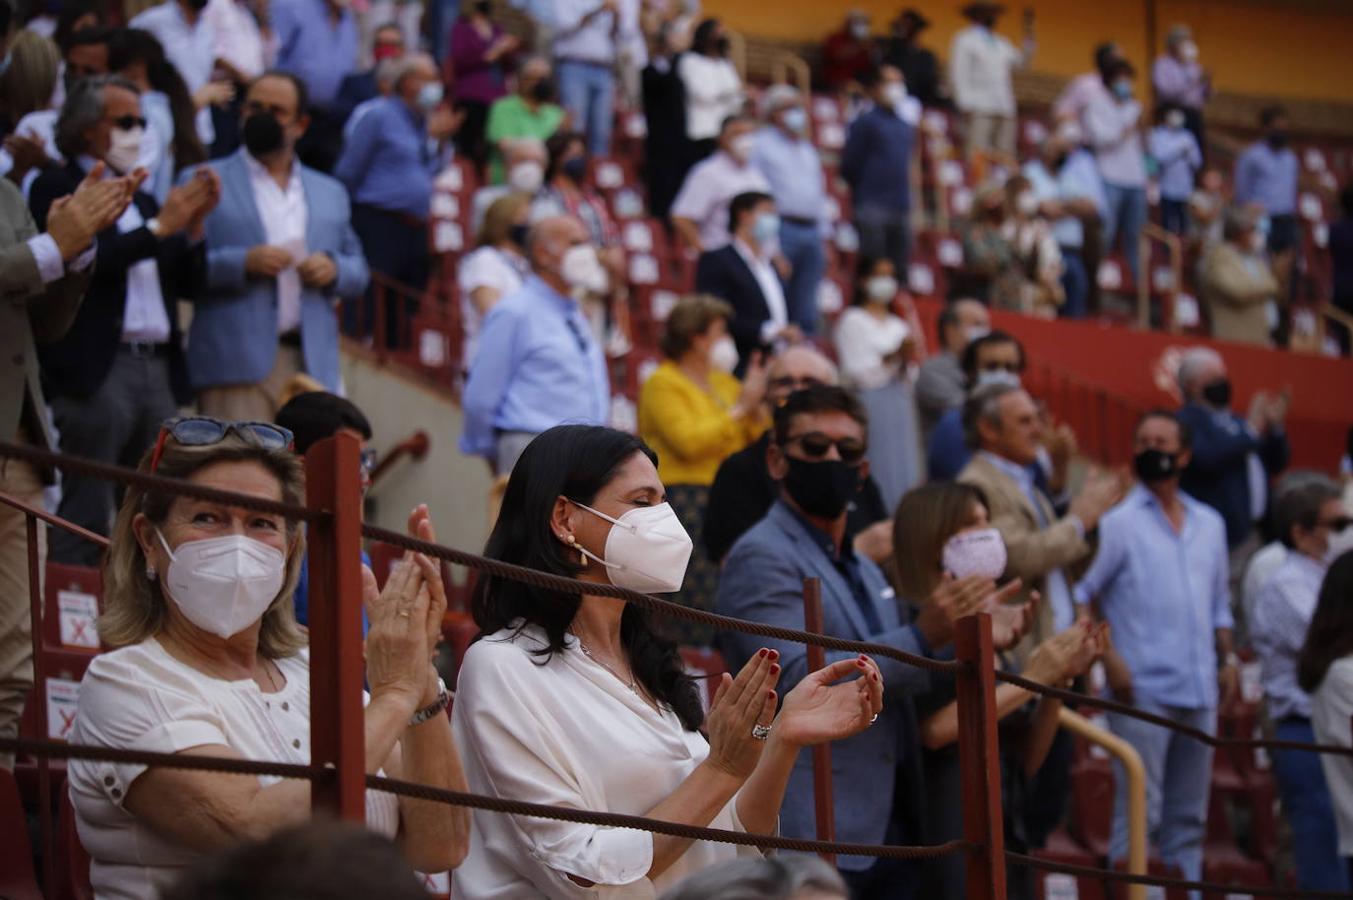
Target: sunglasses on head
202,431
127,123
1338,524
816,445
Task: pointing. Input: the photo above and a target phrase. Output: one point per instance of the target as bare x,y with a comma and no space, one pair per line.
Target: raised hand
824,707
1010,621
397,662
952,600
420,526
739,704
96,204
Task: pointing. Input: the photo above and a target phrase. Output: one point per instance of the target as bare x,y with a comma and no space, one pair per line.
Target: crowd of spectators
247,162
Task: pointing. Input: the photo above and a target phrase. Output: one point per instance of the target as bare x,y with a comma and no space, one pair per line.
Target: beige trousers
252,402
990,132
18,479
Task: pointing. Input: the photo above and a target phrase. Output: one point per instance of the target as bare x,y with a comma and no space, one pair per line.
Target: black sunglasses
127,123
816,445
1337,524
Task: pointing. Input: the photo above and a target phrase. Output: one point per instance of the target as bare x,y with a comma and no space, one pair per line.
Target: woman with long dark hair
575,701
1325,671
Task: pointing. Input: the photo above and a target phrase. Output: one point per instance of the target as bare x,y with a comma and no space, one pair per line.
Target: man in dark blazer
744,274
119,371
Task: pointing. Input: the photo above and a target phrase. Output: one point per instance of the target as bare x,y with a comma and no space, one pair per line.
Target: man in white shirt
742,273
700,211
239,45
980,66
589,36
190,43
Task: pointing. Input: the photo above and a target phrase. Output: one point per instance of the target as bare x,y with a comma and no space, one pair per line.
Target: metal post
337,734
40,705
979,758
822,753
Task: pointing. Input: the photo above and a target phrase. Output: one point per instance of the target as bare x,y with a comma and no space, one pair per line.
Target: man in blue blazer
817,456
281,255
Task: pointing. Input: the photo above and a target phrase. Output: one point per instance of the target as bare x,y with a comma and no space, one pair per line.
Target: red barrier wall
1137,366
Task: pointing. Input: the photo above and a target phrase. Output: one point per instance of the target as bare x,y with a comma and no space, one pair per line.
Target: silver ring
404,614
760,732
873,720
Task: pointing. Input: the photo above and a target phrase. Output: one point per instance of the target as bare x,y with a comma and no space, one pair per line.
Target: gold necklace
633,684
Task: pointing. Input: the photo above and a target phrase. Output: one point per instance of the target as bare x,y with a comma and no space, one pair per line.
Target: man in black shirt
918,65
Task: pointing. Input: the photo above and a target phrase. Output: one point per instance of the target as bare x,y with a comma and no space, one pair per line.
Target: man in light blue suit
281,255
817,456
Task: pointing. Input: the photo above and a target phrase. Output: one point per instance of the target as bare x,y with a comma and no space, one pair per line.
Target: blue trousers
802,246
1178,778
1306,803
1127,216
1075,282
587,91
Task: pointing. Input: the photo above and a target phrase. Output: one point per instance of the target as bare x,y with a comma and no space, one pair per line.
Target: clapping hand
97,203
398,660
1011,621
420,526
740,704
824,707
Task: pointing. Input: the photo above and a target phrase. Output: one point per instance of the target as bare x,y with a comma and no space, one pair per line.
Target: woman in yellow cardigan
695,414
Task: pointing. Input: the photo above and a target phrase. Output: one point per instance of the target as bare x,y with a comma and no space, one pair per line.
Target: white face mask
1340,542
526,177
1188,51
880,288
223,585
796,120
582,270
740,148
974,332
997,376
894,93
1027,204
647,549
1174,119
724,354
979,552
124,149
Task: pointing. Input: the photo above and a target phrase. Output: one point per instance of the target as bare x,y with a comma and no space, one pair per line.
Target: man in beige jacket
42,281
1238,286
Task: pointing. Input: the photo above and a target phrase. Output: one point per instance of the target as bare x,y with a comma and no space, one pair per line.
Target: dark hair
87,37
6,16
1160,412
71,12
1117,67
817,399
744,203
702,40
320,860
991,338
315,415
925,519
863,267
83,109
1330,635
556,146
1269,114
1105,53
948,318
573,461
1166,107
127,46
871,76
731,120
1300,505
302,92
984,405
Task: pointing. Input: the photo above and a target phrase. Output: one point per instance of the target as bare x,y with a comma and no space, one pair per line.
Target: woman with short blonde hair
495,269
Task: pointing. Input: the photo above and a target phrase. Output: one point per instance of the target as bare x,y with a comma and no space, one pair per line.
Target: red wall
1133,365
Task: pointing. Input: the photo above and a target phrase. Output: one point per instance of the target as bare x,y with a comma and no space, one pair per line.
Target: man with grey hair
120,371
772,878
784,153
525,160
538,364
1233,458
530,113
1238,286
1316,528
942,384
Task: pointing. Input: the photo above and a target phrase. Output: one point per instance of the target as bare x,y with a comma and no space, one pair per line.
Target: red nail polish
774,669
875,676
774,654
762,653
770,695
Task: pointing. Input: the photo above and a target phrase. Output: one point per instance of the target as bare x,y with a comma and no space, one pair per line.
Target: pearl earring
150,573
582,557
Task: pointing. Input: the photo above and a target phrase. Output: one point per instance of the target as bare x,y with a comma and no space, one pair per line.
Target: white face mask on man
646,551
223,585
124,149
526,177
582,270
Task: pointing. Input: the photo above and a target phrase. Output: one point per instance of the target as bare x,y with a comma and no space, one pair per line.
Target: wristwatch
153,226
436,706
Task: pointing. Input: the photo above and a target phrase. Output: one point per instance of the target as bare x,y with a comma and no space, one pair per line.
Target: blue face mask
1122,90
766,228
796,120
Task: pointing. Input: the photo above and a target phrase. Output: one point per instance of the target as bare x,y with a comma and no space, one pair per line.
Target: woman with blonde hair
28,91
695,414
495,269
208,660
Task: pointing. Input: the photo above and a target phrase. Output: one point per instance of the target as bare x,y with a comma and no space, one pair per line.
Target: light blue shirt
1164,594
794,171
1282,615
1054,582
190,47
537,366
1078,179
1267,177
387,161
313,47
1176,151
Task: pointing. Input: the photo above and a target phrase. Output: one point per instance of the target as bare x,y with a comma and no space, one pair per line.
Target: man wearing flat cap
920,71
981,63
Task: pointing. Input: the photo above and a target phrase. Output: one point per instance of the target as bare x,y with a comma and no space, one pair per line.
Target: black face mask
822,488
721,46
517,234
1060,161
483,7
575,169
1218,393
1277,139
1153,466
197,5
542,91
262,134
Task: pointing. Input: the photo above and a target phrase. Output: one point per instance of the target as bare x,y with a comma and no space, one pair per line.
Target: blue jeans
1174,215
1075,282
1127,215
1306,804
587,91
802,246
1178,778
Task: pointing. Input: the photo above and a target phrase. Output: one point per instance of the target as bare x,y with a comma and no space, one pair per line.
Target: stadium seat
1062,848
18,881
73,598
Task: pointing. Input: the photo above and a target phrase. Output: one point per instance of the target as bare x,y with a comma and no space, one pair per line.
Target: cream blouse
568,733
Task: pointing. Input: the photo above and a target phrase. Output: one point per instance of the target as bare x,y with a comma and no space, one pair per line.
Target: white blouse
568,733
713,93
1331,709
141,698
863,342
486,267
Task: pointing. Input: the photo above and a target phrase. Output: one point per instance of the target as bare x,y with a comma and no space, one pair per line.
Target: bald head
794,369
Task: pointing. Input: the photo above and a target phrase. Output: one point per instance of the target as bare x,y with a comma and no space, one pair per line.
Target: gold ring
403,614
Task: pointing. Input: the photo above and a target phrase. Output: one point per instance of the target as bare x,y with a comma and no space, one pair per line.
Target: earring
573,542
150,572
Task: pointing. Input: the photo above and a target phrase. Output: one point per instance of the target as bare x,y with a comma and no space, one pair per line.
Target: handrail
415,446
1136,789
1176,250
54,520
785,63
